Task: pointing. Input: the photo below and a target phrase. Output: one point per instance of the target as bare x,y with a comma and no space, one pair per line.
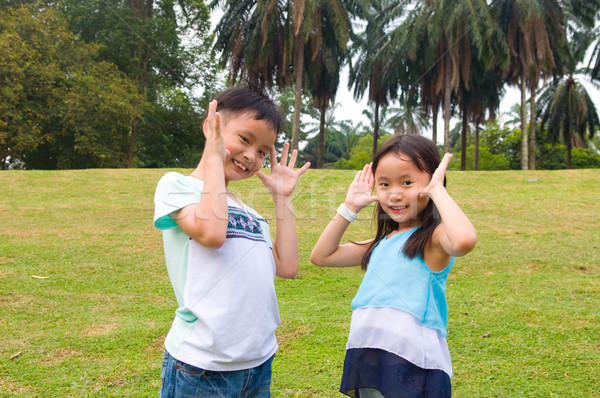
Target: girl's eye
383,185
407,183
262,154
244,139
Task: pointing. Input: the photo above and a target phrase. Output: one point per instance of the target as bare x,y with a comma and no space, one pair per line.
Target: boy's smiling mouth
240,165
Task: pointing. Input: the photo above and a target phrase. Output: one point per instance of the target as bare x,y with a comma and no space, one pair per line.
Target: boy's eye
262,154
244,139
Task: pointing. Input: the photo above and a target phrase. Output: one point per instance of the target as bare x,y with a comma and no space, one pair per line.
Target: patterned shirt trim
244,225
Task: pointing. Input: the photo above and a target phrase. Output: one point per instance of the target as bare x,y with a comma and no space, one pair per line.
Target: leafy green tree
360,154
59,107
487,160
172,134
145,39
502,140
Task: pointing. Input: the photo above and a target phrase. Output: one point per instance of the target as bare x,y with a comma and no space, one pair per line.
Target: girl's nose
396,194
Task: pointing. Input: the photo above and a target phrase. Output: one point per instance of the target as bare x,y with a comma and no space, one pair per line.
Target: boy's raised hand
360,192
215,143
437,179
283,178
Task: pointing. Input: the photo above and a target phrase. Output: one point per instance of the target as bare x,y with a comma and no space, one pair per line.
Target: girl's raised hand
359,193
437,179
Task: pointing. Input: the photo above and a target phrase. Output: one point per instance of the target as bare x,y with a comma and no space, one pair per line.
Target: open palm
283,178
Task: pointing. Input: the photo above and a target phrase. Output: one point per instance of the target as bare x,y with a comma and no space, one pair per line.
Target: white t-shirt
228,310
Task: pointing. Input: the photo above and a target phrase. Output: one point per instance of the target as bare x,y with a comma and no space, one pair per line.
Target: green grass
95,326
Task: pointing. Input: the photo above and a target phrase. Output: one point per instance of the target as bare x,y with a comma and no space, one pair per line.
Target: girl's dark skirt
392,375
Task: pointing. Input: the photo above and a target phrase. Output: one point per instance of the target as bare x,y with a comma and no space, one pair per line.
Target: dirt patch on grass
61,355
287,332
100,330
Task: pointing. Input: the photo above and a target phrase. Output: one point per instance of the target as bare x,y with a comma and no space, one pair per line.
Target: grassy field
85,298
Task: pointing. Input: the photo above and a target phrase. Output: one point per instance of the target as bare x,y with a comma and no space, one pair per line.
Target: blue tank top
394,280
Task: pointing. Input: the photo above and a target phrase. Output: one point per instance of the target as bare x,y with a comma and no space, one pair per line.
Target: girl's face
249,141
399,184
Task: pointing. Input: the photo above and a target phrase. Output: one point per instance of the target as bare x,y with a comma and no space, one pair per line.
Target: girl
397,342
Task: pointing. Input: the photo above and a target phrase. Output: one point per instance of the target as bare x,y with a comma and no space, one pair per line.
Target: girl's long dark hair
424,154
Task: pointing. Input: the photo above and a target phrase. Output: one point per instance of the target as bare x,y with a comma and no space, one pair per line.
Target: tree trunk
569,147
321,147
298,71
476,157
434,114
132,138
532,130
447,99
463,139
524,140
375,129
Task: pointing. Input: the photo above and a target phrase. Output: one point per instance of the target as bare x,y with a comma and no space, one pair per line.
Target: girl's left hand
437,179
283,178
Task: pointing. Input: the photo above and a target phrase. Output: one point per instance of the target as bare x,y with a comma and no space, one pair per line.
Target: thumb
261,174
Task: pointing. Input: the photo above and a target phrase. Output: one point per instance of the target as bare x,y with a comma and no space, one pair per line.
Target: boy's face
249,141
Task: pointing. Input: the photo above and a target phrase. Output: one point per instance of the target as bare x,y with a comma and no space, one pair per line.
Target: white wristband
343,211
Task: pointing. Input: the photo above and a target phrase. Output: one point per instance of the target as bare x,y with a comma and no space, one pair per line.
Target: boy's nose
250,156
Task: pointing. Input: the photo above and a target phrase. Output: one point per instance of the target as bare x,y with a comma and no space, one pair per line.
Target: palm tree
437,37
478,97
566,106
569,113
406,118
323,68
252,37
270,42
341,137
535,34
369,55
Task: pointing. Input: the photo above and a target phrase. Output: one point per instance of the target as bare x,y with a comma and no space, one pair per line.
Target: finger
208,124
261,175
217,126
212,110
293,158
273,156
446,160
284,154
365,172
357,176
370,178
303,169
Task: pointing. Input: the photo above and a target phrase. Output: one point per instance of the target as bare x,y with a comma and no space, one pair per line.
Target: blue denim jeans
180,380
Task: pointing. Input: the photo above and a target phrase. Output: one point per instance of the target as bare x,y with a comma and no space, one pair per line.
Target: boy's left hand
283,178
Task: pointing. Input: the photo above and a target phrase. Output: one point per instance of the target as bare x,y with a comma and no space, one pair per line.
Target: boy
220,257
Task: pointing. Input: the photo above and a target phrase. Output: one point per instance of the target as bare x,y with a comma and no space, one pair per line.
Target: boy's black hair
240,99
424,154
